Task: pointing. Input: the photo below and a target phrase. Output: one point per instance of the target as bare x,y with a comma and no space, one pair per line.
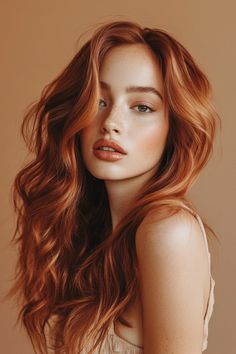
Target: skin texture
171,254
174,283
121,117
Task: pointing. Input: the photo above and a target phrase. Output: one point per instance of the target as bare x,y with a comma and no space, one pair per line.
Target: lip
109,143
108,155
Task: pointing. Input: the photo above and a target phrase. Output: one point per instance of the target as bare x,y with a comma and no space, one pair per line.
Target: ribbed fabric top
115,344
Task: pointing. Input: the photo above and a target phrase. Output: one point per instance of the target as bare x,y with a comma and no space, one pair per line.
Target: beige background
38,40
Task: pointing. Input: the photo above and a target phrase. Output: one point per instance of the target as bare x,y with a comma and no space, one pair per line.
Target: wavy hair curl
74,274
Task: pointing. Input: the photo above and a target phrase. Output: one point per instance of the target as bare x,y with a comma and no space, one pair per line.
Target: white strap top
115,344
211,299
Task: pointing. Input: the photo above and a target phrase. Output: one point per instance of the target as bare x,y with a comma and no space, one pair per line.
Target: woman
113,256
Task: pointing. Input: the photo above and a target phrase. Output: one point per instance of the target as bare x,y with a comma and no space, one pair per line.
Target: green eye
145,107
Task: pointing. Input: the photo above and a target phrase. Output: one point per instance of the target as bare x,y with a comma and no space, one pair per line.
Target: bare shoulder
174,283
180,232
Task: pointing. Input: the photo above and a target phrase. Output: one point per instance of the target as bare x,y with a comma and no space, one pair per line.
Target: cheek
151,140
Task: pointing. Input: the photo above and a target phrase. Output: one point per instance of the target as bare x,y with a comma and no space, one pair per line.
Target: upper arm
173,272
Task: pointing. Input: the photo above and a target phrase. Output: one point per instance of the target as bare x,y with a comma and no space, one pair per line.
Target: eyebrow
135,89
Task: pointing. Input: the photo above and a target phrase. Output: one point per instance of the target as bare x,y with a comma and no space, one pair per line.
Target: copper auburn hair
74,275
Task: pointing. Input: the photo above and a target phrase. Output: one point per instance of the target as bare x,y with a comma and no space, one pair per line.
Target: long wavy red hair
74,275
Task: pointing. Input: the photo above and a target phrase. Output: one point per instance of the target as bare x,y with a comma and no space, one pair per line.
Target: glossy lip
108,155
109,143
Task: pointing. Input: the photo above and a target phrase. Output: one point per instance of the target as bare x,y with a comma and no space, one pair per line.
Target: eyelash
138,105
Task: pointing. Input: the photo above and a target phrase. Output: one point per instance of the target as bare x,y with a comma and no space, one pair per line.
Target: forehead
131,64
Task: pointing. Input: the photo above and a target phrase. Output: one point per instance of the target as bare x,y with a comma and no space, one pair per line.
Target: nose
112,122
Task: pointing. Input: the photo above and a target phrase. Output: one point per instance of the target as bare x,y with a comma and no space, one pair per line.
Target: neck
121,194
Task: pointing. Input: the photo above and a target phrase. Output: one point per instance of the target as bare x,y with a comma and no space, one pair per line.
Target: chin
112,176
102,175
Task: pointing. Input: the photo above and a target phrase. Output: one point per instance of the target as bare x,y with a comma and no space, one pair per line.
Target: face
134,119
